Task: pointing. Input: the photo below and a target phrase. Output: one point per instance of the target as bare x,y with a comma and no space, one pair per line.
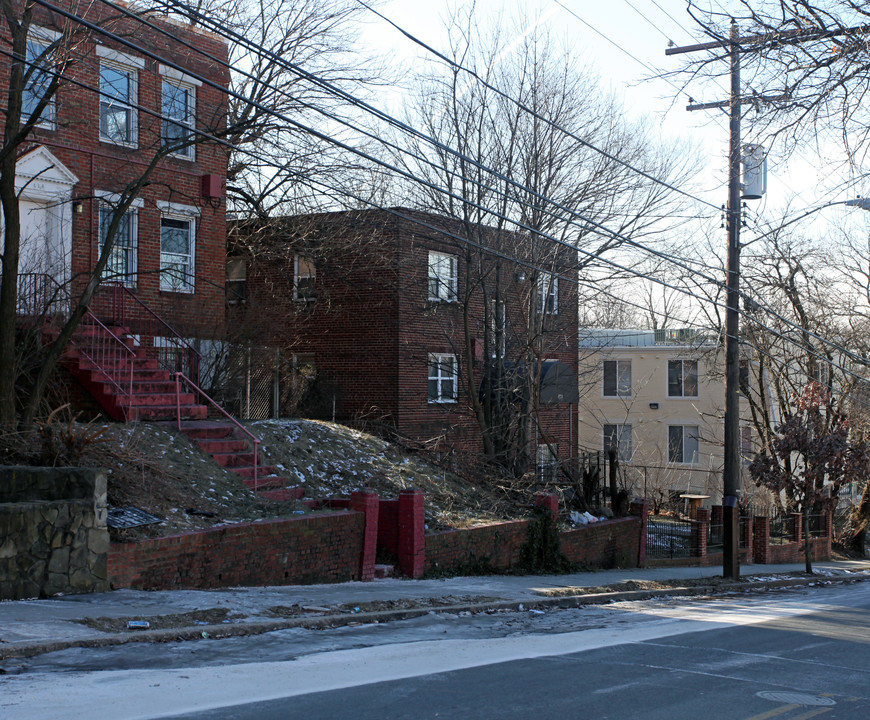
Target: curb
325,622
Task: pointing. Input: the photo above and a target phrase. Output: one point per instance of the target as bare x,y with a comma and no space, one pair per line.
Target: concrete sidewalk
31,627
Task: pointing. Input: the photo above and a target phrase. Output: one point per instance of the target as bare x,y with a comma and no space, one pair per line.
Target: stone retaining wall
53,536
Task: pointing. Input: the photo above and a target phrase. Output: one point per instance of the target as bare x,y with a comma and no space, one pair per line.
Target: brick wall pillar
412,533
746,534
829,531
797,527
641,509
761,540
549,501
366,502
700,528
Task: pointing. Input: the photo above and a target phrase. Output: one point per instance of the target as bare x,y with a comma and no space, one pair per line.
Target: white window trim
181,80
684,425
439,358
133,277
547,287
172,208
624,425
111,198
682,394
451,288
190,217
132,104
47,37
617,394
120,58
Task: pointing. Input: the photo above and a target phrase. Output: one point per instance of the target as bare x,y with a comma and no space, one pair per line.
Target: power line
611,263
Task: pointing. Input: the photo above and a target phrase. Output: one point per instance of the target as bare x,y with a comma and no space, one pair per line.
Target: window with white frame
304,279
123,257
683,442
497,327
682,378
39,69
548,293
617,378
546,463
118,94
177,247
619,437
442,277
443,378
179,110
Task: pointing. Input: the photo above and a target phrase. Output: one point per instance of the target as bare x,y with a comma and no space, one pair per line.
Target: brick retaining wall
309,549
612,543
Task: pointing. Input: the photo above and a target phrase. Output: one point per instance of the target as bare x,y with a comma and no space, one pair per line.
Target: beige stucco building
656,395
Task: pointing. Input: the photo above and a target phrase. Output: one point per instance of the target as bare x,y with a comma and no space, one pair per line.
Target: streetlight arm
863,203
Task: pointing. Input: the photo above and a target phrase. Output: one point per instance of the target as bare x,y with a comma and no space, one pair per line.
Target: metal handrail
178,377
99,365
123,288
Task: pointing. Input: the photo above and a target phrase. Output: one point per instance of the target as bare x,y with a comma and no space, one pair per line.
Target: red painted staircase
129,385
126,384
224,442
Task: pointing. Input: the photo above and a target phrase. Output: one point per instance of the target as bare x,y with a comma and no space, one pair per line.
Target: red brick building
404,318
116,107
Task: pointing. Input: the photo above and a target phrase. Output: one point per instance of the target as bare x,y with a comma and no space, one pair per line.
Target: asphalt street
790,654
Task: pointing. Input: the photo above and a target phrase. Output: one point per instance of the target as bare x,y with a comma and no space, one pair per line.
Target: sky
625,40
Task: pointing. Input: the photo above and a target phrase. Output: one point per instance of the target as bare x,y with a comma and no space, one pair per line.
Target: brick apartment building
401,321
114,109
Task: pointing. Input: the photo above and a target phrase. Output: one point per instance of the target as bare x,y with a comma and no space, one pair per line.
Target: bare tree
515,161
804,64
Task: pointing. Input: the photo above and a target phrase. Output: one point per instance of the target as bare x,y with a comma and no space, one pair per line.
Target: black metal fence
676,537
669,537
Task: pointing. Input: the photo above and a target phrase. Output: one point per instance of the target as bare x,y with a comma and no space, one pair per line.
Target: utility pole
732,480
733,220
731,471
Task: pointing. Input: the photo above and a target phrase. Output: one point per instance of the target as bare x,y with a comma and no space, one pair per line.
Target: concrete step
384,571
248,471
266,481
222,446
160,399
282,495
233,460
155,413
208,430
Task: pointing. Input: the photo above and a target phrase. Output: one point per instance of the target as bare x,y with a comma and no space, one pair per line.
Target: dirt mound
155,468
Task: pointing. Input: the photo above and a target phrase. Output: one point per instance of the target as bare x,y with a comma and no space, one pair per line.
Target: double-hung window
548,293
122,264
177,247
683,444
304,279
443,378
617,378
119,92
619,437
179,111
682,378
442,277
39,73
